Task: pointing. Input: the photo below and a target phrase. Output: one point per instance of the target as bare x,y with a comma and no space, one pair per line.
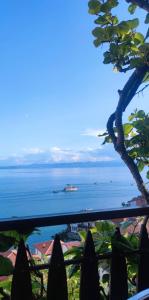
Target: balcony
55,287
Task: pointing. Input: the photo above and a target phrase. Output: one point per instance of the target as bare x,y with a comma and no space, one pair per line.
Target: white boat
70,188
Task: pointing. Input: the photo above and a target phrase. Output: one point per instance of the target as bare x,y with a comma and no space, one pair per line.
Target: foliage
73,286
9,239
136,138
128,48
104,240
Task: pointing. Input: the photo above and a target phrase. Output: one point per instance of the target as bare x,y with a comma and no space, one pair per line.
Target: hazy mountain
67,165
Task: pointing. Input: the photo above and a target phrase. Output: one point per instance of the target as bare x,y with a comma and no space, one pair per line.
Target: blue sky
55,92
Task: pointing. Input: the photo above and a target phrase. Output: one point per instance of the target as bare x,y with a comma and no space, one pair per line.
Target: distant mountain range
67,165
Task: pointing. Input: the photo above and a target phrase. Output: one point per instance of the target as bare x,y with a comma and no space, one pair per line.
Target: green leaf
132,116
113,3
97,32
140,114
132,8
108,5
82,235
146,77
94,7
136,62
127,128
147,19
107,140
123,27
105,7
6,267
101,34
133,23
141,166
139,36
74,251
135,49
105,226
114,20
107,57
122,244
97,42
102,20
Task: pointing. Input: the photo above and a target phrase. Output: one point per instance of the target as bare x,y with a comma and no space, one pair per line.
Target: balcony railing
90,287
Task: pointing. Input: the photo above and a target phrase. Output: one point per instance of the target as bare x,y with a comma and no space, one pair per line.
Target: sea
31,191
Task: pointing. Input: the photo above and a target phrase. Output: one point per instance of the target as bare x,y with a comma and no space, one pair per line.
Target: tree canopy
127,49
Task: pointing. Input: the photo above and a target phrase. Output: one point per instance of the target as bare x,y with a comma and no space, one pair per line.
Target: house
137,201
45,248
11,254
75,227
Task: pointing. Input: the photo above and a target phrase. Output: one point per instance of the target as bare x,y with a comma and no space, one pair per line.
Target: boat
70,188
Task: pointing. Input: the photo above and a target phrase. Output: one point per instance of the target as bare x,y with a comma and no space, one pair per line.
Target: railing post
57,281
118,272
21,288
143,269
89,283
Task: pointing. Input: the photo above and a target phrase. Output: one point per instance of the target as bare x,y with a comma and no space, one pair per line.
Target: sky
55,93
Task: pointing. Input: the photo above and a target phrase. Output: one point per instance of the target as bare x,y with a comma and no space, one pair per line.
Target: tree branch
145,87
110,128
125,97
144,4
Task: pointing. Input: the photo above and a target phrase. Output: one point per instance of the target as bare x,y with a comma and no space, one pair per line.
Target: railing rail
90,282
71,217
90,287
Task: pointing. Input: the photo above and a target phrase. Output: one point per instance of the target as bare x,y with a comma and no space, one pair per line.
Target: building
45,248
137,201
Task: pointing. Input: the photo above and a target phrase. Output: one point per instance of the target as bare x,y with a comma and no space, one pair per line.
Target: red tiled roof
72,244
11,254
46,248
134,228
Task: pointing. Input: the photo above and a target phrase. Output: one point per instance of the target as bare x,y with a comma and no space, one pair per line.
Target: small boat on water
70,188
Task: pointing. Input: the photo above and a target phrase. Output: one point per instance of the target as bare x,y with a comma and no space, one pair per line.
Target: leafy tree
127,49
136,138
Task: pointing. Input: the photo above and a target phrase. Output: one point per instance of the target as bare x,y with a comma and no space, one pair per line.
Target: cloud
57,155
32,150
93,132
63,155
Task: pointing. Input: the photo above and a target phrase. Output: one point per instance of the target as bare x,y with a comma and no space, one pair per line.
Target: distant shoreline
65,165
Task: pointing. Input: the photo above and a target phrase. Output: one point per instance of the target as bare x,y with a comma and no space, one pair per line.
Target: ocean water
27,192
